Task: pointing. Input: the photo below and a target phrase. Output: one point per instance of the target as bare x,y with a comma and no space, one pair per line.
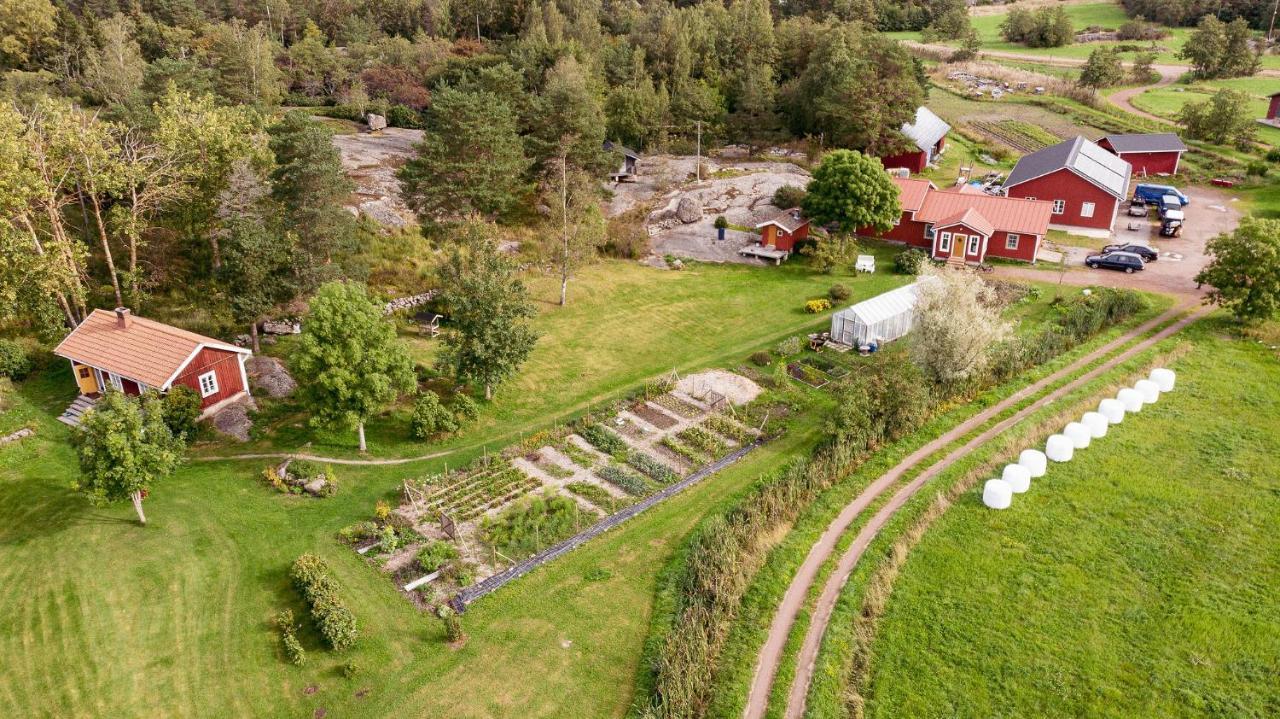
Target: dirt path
794,599
330,460
1123,98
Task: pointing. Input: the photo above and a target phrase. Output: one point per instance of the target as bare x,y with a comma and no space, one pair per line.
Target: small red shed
929,136
784,230
115,350
1156,153
1085,184
1273,107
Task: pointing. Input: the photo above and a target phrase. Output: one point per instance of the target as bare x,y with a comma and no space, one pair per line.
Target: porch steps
71,416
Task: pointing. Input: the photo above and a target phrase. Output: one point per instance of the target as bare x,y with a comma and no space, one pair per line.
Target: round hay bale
1131,399
1096,422
1150,390
1163,377
1079,434
1035,462
1059,448
1018,477
997,494
1112,409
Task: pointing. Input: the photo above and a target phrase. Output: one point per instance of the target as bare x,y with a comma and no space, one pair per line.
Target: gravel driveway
1212,211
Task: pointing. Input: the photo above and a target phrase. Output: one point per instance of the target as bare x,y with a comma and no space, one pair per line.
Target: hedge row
313,578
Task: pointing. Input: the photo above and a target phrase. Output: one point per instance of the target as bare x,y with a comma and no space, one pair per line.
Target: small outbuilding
630,158
928,135
1273,107
784,230
881,319
1154,153
115,350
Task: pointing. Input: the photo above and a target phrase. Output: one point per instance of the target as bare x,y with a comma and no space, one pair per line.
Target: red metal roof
1006,214
912,192
970,218
145,350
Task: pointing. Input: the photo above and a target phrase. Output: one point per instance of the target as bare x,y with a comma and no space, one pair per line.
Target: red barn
1085,183
115,350
965,225
928,134
1155,153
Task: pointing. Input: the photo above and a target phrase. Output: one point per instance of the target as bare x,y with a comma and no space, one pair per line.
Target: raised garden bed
679,406
655,417
811,376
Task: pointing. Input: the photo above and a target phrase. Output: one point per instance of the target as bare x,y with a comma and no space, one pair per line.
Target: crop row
624,480
703,441
603,439
651,468
726,427
679,406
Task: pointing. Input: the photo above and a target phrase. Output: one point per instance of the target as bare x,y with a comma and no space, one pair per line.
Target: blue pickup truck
1155,194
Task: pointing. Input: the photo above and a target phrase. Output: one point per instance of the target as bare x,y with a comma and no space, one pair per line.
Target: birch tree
957,322
576,213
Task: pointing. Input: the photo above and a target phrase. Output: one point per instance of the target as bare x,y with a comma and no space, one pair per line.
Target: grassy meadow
1168,101
1138,580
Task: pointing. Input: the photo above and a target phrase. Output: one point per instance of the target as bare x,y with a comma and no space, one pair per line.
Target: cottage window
944,242
973,244
1059,207
208,384
114,379
84,373
1086,209
928,232
1011,242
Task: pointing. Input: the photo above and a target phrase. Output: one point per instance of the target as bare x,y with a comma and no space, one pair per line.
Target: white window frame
944,242
1011,241
1086,209
974,241
1059,207
115,381
212,378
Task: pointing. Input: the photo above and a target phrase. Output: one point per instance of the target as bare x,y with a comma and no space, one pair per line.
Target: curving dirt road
794,599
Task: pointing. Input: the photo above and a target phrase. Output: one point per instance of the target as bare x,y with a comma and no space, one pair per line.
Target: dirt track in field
794,599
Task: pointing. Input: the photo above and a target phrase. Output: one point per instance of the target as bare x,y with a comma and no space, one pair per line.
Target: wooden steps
71,416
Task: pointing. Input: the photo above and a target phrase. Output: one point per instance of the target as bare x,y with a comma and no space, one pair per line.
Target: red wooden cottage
784,230
1085,183
928,134
1156,153
115,350
966,225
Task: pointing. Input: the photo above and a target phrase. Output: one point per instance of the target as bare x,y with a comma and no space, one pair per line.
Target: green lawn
1167,101
625,323
1139,580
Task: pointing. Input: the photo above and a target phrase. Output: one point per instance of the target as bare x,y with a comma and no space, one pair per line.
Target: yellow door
84,378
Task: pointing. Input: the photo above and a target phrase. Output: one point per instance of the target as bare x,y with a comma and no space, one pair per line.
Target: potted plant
721,224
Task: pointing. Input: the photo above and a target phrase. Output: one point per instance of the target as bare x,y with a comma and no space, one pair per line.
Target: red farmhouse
1149,154
132,354
966,225
929,135
1085,183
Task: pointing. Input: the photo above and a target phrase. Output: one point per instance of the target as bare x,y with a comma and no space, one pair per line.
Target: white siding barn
880,319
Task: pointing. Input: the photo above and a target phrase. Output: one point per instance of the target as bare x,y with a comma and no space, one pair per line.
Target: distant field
1107,15
1141,579
1167,101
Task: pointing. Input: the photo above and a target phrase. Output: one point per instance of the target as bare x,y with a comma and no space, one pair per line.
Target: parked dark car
1126,261
1148,254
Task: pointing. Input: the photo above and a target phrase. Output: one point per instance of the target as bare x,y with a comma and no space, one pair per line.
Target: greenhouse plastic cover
997,494
885,306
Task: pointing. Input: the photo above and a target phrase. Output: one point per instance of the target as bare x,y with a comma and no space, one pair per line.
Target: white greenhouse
878,320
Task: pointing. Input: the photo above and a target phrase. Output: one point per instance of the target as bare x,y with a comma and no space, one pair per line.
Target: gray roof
926,130
611,146
1148,142
1082,157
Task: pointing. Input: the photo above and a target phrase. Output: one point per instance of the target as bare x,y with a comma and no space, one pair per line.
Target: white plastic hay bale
1131,399
1112,409
997,494
1079,434
1150,390
1059,448
1096,422
1163,377
1035,462
1018,477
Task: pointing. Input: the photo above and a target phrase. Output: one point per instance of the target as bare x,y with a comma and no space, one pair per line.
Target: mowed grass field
1102,14
625,323
101,617
1168,101
1141,579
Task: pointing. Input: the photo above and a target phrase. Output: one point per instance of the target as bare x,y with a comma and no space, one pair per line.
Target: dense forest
1258,13
160,153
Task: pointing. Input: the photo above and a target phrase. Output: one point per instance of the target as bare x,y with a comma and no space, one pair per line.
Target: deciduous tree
351,358
853,191
1244,274
1102,69
1224,119
125,447
957,322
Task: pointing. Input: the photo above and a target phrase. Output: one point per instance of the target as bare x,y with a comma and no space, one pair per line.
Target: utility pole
1271,28
698,170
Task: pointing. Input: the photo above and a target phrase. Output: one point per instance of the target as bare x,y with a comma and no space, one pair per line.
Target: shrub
350,669
813,307
839,293
388,539
14,361
314,580
402,116
787,347
430,417
465,409
293,650
1256,169
721,222
761,358
435,555
909,262
1273,155
381,510
788,196
452,624
461,573
358,532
